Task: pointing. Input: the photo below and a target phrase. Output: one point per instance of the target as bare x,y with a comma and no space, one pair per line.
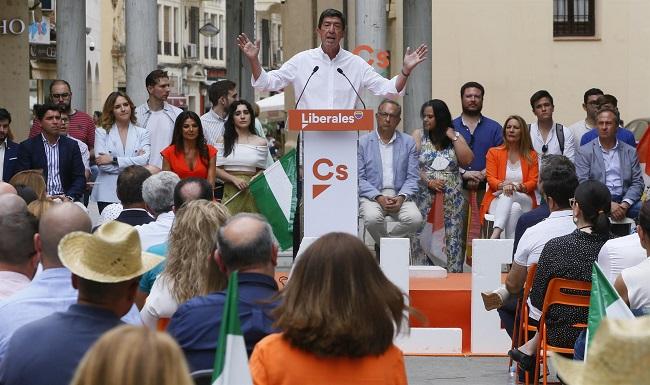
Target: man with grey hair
51,290
246,244
18,259
158,195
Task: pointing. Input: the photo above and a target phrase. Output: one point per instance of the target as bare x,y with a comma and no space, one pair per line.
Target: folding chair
555,295
521,314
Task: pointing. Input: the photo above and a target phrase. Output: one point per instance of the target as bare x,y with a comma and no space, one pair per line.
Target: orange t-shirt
178,165
268,366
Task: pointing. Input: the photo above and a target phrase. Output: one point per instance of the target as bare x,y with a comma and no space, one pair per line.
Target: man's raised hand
250,49
413,58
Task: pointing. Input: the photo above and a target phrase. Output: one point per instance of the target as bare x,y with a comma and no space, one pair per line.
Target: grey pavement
423,370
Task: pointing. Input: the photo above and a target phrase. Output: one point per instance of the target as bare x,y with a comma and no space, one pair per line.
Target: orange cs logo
383,57
324,170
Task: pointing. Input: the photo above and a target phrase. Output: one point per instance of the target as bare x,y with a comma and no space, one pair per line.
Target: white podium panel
487,257
330,192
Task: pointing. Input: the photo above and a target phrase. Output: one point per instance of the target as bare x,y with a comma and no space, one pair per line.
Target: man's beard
468,112
66,106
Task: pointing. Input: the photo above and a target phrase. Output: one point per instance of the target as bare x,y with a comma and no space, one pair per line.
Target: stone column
371,26
417,30
71,48
240,16
14,61
141,46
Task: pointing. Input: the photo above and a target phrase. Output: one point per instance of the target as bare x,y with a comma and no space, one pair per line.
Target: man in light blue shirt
51,290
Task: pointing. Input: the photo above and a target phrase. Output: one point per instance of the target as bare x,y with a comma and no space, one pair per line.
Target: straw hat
111,254
619,354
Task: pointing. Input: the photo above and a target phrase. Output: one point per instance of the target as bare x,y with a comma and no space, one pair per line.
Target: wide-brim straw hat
619,354
111,254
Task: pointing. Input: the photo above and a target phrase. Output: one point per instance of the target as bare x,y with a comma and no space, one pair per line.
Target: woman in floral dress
440,197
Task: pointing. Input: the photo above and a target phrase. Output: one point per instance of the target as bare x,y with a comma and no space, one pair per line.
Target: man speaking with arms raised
325,64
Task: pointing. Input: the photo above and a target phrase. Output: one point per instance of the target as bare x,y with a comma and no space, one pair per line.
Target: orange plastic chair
161,326
522,327
555,295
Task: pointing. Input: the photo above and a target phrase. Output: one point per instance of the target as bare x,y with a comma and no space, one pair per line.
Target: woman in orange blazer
512,173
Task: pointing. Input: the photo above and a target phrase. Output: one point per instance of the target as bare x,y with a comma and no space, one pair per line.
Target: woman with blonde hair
190,269
119,143
512,171
38,207
32,179
338,315
131,355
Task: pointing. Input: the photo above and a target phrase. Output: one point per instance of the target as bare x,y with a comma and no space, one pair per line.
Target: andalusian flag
231,360
275,197
604,302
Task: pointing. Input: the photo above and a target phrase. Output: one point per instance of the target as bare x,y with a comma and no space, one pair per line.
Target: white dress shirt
534,239
638,285
620,253
327,88
213,126
11,282
386,154
156,232
552,143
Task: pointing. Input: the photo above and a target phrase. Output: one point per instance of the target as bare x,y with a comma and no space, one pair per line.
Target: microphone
339,70
303,88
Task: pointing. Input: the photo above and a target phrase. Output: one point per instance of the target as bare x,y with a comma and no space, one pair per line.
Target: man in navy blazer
613,163
58,156
388,176
8,149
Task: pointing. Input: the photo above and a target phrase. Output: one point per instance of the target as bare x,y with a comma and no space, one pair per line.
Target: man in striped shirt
221,95
58,156
81,124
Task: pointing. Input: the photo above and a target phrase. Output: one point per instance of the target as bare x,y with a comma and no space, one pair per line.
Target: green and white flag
231,360
604,302
275,197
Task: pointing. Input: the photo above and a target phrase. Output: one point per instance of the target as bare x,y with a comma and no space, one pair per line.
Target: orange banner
330,120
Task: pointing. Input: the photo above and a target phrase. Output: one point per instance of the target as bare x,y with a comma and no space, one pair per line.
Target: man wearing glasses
80,124
549,137
388,176
590,105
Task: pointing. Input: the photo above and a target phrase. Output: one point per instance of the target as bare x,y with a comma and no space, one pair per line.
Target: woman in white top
633,284
119,143
241,154
190,270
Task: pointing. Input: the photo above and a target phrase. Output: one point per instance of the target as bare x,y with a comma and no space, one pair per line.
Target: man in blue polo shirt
623,135
245,243
481,133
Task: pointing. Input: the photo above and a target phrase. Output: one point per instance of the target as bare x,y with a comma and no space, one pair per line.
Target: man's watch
68,197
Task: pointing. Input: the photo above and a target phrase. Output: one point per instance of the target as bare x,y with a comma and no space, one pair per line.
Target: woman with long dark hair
338,315
440,198
189,155
571,257
119,143
241,155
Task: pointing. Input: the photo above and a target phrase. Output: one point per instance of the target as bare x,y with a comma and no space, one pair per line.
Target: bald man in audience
6,188
11,203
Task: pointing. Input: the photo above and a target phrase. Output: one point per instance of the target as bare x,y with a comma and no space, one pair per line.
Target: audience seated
614,164
105,267
590,105
633,284
558,183
512,173
189,270
11,203
388,176
50,291
6,188
570,256
549,137
39,207
129,192
352,344
130,355
158,194
18,259
623,135
246,244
